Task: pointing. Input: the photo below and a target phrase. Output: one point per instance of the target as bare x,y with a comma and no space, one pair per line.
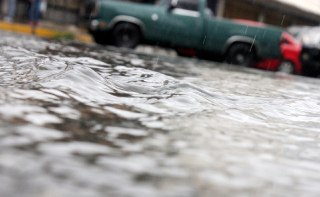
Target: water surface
95,121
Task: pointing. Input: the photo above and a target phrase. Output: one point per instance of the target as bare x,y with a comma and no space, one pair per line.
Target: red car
290,61
290,51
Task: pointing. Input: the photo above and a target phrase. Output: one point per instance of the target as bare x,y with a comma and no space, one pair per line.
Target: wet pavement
80,120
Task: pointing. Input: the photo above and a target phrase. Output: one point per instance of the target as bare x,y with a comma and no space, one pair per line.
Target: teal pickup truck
184,24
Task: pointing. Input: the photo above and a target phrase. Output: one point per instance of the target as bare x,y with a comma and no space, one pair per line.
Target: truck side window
212,5
191,5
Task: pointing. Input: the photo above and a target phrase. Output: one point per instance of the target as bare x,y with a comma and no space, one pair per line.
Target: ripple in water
105,122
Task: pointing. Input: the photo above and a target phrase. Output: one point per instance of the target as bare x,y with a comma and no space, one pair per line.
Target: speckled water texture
88,121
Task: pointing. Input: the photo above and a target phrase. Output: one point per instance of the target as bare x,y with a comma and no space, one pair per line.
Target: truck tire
241,54
126,35
286,67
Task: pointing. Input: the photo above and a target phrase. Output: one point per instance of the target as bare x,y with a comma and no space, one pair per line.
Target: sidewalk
49,30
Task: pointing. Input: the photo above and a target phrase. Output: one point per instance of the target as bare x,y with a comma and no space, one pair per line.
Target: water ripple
74,117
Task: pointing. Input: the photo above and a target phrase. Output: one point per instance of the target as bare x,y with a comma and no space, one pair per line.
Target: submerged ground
80,120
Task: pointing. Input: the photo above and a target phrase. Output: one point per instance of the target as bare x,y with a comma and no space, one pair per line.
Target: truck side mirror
173,4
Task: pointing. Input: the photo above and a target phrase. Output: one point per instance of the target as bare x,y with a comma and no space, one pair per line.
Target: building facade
60,11
275,12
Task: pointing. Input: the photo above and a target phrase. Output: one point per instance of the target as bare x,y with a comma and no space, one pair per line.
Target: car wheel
240,54
286,67
126,35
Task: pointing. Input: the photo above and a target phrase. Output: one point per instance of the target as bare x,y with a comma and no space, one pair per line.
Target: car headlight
94,24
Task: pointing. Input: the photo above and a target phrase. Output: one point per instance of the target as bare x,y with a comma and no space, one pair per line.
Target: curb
45,32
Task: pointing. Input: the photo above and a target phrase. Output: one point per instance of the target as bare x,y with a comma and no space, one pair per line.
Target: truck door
184,24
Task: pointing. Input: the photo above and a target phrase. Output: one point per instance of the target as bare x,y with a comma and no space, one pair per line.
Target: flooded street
88,121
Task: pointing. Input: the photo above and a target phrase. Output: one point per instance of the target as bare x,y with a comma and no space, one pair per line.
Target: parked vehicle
311,61
310,54
290,57
185,24
290,53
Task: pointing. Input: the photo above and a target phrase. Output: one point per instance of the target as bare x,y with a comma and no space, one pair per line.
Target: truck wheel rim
240,58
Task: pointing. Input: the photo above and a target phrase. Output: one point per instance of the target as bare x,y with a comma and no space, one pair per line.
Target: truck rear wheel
240,54
126,35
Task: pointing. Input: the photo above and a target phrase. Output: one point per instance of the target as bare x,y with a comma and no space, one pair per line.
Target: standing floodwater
91,121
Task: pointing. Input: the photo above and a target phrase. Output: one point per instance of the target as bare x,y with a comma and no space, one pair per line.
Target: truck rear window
188,4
